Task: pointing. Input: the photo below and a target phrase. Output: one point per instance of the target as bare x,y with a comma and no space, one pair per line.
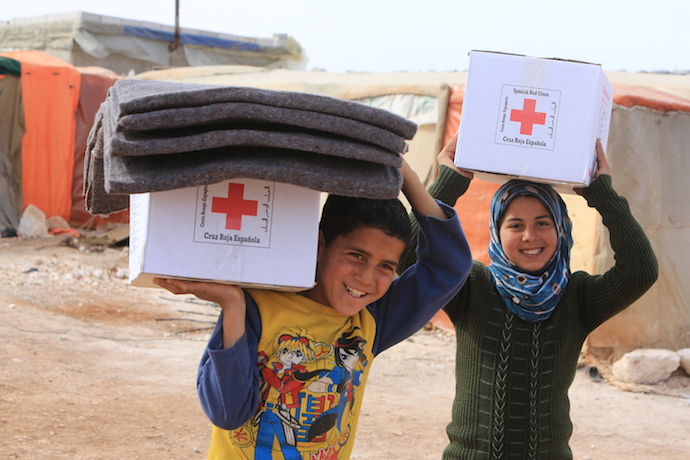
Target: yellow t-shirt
313,365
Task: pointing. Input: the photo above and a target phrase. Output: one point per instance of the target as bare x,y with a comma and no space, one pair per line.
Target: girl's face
528,234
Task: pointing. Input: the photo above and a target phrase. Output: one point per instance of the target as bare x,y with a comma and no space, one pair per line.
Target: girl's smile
528,234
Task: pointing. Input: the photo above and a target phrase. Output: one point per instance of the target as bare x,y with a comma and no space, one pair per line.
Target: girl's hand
602,165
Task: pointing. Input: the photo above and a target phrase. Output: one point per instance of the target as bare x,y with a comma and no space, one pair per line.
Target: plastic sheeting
50,92
95,82
648,152
127,46
43,139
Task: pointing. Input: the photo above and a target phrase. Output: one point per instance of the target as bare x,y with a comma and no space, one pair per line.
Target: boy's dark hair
343,214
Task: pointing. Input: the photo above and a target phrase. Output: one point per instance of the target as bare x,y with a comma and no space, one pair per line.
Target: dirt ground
92,368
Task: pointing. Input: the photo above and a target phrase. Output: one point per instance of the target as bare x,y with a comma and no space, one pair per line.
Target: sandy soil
92,368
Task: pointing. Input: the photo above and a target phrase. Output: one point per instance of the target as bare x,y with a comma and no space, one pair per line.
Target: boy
283,374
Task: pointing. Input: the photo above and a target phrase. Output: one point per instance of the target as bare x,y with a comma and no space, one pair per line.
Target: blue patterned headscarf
532,296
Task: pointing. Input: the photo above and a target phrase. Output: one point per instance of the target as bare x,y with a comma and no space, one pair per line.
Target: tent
127,46
52,111
650,130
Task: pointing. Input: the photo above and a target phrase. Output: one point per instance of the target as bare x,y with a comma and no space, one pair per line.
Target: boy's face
355,269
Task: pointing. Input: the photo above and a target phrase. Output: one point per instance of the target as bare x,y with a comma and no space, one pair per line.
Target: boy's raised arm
417,194
229,298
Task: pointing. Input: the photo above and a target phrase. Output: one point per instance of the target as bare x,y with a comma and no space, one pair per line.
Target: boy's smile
528,234
356,269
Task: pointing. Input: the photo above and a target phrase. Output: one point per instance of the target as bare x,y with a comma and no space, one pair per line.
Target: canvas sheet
648,156
11,133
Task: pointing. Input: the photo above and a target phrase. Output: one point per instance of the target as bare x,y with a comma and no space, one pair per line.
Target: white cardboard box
533,118
247,232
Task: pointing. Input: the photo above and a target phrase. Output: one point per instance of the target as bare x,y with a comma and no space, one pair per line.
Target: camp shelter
127,46
50,91
650,157
54,103
647,149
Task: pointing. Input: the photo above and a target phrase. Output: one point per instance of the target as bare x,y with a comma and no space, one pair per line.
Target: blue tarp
190,39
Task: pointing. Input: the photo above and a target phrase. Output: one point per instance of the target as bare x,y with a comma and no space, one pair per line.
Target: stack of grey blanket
153,136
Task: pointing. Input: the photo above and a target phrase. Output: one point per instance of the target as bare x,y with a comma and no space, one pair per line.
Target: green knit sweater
512,377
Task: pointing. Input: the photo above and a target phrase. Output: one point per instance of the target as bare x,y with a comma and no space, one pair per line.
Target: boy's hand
603,166
222,294
447,157
230,298
417,195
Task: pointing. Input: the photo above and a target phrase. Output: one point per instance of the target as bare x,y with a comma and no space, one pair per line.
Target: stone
57,222
685,359
646,366
33,223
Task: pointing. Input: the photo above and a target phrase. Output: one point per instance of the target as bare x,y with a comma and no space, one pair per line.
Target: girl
521,322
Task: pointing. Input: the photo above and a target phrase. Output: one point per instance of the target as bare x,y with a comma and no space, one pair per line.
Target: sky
426,35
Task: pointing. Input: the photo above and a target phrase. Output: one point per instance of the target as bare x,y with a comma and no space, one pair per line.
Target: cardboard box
248,232
533,118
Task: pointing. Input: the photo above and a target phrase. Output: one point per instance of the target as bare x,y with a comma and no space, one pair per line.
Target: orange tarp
95,82
631,96
50,93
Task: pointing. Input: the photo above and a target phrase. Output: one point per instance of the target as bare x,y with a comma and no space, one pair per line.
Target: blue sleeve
228,379
443,264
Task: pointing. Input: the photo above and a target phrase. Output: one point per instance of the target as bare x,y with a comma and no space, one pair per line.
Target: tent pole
176,41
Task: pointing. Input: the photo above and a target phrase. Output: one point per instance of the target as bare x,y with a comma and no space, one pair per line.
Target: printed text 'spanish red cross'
234,206
528,117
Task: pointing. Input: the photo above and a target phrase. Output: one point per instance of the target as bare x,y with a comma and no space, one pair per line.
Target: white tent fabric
127,46
648,152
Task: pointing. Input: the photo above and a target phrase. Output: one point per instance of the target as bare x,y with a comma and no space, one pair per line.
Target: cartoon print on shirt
342,380
307,389
281,394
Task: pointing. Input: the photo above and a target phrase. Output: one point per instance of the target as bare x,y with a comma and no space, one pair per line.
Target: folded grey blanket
178,130
342,176
109,179
143,142
142,96
133,145
161,123
98,201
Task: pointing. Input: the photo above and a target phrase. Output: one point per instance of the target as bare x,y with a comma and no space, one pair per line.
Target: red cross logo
528,117
234,206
